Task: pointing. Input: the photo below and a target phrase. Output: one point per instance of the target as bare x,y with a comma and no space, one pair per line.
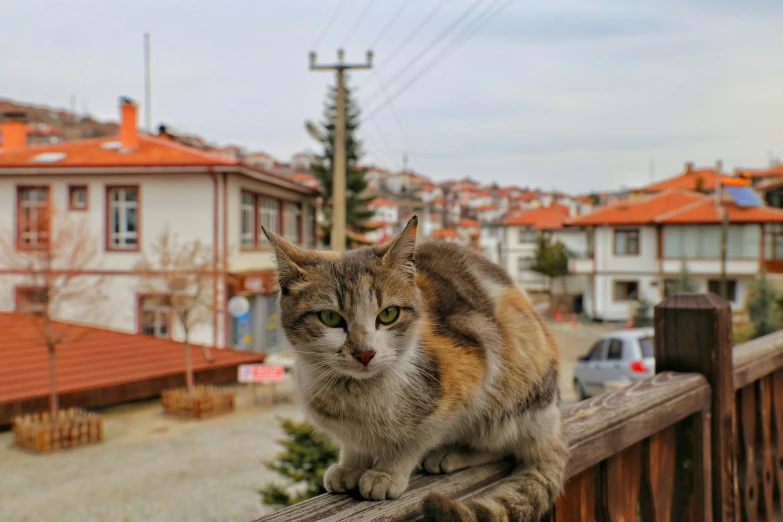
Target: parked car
624,355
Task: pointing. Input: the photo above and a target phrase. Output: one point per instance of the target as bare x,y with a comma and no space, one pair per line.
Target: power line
358,21
335,14
415,31
434,43
390,23
445,52
393,109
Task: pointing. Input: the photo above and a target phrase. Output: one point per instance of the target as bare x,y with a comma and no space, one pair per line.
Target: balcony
581,265
734,267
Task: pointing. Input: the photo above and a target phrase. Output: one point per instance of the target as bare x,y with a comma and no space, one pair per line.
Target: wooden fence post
693,333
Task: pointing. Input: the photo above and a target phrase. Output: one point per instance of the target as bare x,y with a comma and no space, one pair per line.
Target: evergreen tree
684,283
643,314
762,307
356,212
305,459
551,259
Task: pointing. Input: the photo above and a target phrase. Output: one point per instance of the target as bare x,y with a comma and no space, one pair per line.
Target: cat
424,356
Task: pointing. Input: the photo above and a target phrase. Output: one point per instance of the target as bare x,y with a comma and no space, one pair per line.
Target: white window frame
124,239
248,206
269,214
290,228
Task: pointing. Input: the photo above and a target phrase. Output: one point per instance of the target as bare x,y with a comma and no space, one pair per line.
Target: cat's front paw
377,485
339,479
443,460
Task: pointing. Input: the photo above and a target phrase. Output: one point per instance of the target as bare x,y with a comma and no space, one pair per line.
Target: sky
565,94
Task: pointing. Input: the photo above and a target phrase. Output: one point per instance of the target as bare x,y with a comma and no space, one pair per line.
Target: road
155,468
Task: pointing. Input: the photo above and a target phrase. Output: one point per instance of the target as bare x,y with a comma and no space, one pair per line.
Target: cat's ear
288,257
399,253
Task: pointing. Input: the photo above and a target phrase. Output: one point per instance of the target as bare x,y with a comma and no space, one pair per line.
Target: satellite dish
314,131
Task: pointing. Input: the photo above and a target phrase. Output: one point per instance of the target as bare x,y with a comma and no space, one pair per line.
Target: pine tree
306,457
551,259
684,283
643,314
356,212
762,307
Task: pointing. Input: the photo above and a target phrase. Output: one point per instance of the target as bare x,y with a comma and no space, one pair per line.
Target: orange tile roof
359,238
485,208
638,211
99,358
468,223
304,178
705,211
380,202
543,218
375,223
445,233
688,180
439,201
152,151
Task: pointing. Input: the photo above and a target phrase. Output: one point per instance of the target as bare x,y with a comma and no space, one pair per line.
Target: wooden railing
702,440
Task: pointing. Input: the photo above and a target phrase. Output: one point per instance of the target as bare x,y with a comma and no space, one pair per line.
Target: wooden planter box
205,402
74,427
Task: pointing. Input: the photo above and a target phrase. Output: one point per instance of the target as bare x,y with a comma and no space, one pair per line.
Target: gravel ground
154,468
150,468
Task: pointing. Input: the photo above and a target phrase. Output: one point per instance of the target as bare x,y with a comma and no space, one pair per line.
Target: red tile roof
543,218
375,223
468,223
688,180
638,211
485,208
380,202
105,152
99,358
445,233
705,211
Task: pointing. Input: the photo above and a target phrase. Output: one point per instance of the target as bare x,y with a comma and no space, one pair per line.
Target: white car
624,355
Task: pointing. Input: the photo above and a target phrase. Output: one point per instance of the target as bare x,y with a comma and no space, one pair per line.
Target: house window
123,219
32,223
307,227
626,242
290,228
626,290
77,197
774,234
527,235
248,233
30,300
155,316
270,217
713,286
524,263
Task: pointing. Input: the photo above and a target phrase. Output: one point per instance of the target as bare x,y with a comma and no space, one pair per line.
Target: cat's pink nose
364,357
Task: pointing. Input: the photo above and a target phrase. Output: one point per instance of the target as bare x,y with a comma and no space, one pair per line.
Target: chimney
14,130
688,167
718,166
129,134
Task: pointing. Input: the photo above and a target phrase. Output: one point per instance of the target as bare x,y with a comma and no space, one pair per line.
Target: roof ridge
684,208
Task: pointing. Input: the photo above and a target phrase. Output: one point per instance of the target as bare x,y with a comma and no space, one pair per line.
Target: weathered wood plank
755,359
621,477
693,475
658,471
746,458
577,503
693,333
777,437
596,430
764,449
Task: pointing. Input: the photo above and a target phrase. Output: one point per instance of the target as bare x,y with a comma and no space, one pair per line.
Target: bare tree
53,259
183,274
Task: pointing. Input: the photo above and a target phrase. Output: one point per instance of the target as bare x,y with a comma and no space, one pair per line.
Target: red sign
260,373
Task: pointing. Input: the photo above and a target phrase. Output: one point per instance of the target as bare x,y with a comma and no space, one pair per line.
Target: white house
636,248
128,190
521,232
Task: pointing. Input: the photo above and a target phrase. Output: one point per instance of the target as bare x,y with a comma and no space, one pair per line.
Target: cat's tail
525,496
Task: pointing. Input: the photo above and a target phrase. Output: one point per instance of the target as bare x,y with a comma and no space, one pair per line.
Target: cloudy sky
569,94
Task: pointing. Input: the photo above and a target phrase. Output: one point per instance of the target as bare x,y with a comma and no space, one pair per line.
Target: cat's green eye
389,315
331,318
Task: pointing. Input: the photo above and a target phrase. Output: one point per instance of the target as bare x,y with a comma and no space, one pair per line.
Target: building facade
127,191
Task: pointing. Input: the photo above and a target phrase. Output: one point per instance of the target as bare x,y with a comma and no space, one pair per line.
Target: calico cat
424,356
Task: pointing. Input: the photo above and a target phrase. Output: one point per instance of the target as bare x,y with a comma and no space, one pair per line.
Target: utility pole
724,240
147,84
338,162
